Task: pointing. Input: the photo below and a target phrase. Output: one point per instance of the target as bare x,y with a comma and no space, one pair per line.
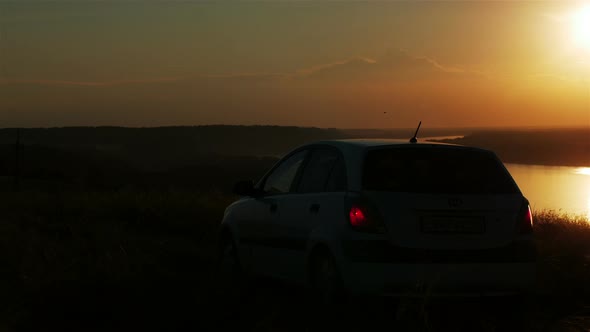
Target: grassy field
89,252
103,261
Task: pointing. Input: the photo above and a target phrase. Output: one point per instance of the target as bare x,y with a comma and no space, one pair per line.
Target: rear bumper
382,251
377,267
476,279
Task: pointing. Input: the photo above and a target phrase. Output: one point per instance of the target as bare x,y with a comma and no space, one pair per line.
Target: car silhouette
383,217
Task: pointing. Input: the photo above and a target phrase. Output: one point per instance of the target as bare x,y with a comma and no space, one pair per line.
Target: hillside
556,147
205,157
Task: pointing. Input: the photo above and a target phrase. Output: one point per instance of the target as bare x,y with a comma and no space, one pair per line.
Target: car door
266,239
299,214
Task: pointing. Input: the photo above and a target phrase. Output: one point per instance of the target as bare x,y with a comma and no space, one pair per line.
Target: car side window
281,179
337,180
317,173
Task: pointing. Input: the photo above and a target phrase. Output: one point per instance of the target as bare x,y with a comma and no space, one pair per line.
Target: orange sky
326,64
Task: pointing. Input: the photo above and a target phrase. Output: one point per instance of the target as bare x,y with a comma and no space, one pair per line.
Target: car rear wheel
326,283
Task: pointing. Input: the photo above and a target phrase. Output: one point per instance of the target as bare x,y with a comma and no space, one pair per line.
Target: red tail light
526,226
358,217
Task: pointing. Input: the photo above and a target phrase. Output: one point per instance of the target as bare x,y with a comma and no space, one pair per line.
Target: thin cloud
87,83
244,75
336,64
393,65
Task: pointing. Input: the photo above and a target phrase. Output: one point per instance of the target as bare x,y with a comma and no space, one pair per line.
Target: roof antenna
415,138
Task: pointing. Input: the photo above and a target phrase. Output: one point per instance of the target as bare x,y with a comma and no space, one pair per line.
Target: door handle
314,208
273,207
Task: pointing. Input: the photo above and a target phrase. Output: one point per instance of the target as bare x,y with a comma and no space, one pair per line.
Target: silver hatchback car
384,218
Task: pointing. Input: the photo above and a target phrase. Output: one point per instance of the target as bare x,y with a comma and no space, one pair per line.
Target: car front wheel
231,277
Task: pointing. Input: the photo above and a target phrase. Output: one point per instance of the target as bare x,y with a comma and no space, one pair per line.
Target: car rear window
436,170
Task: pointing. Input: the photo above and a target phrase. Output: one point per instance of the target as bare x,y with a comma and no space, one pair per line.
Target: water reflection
565,189
583,171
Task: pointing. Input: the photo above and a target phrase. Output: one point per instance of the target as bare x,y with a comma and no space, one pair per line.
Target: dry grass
563,242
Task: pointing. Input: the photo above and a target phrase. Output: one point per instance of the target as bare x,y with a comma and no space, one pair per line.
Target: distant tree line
208,158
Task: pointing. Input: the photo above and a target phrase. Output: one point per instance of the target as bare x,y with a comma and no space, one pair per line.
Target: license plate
452,224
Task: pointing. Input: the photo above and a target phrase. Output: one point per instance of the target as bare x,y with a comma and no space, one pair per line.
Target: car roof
363,144
358,147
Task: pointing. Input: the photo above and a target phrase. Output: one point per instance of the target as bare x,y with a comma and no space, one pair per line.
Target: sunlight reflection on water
563,189
583,171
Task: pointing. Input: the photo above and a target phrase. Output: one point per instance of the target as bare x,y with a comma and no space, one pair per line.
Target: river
565,189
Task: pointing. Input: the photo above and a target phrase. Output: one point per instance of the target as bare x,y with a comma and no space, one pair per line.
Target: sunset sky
317,63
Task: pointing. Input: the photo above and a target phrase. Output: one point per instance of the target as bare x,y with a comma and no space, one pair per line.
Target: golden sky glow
580,21
317,63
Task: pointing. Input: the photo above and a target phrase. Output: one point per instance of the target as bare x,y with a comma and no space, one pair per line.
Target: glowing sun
580,28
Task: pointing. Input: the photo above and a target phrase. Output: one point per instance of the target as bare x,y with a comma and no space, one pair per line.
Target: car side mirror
244,188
